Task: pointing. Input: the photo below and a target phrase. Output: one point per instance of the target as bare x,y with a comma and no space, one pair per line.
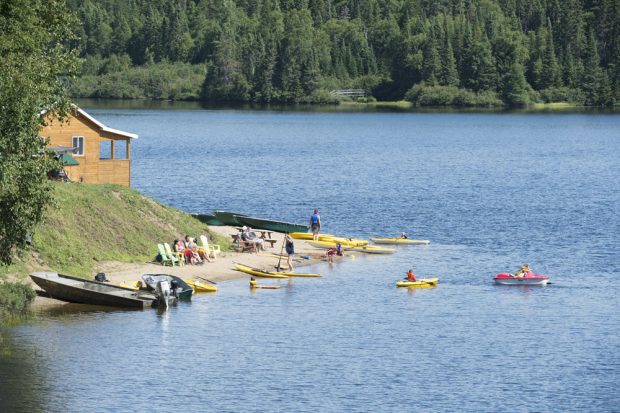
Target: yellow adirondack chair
178,255
210,249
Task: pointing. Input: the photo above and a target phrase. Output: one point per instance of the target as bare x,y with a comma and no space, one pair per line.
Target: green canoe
270,225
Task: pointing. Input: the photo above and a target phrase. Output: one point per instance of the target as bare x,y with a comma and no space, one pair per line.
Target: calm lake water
491,191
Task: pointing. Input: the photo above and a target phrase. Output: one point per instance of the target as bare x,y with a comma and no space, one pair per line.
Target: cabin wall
91,169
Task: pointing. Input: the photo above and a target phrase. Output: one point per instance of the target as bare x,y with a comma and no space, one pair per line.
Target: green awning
68,160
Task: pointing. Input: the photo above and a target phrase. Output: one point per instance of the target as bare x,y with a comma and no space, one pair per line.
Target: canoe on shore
258,272
228,218
400,241
78,290
270,224
421,283
208,219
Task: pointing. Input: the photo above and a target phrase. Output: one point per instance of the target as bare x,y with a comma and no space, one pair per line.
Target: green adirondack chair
165,258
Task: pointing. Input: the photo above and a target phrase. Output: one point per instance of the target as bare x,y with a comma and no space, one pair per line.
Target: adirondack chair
178,255
210,249
165,258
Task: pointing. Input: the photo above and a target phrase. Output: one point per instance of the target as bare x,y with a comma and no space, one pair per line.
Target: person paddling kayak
411,276
252,282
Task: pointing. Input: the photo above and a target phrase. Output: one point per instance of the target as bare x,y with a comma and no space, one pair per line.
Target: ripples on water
490,191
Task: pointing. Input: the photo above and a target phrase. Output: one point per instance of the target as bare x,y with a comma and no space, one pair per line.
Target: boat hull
258,272
200,287
372,250
400,241
528,279
77,290
309,235
228,218
270,225
209,219
421,283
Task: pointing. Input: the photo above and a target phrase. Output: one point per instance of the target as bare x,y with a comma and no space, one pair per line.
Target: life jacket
315,218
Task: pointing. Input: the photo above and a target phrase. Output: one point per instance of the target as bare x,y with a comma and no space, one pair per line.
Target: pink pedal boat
529,278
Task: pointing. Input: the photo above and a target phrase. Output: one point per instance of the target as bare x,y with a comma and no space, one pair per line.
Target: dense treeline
432,52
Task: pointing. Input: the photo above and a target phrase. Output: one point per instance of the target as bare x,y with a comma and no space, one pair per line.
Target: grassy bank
91,224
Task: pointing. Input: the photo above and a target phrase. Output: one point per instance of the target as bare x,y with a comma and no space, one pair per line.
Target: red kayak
529,278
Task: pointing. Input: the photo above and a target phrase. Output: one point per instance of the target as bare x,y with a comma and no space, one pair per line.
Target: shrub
15,299
435,95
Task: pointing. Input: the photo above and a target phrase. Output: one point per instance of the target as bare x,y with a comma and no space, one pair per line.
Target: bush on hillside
15,299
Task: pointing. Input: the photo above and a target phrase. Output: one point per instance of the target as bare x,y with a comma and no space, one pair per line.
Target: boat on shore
400,241
209,219
179,288
201,287
528,278
370,249
258,272
310,236
421,283
78,290
270,224
228,218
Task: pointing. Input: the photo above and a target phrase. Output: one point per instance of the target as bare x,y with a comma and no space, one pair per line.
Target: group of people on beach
190,252
249,237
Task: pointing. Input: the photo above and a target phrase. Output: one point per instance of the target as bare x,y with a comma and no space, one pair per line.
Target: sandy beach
220,269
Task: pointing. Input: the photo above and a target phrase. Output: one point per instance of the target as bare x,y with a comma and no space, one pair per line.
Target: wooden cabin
103,154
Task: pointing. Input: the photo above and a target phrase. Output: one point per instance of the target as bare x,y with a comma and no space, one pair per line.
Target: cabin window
120,149
78,145
105,149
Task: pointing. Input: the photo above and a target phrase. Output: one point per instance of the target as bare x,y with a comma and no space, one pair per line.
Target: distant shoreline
342,106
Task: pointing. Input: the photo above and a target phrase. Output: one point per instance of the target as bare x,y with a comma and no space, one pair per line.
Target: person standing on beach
315,224
289,246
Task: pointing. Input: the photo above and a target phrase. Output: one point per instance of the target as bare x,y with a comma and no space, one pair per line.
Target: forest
428,52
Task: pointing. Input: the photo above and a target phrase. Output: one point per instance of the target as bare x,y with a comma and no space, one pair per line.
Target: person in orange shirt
411,276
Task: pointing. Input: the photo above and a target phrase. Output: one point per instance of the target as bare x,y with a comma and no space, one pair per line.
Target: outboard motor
164,292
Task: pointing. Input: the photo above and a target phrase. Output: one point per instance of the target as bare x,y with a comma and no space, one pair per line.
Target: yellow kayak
132,285
308,235
421,283
296,274
351,242
258,272
201,287
369,249
400,241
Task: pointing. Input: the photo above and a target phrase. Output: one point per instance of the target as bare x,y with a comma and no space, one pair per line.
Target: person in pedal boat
252,282
525,268
403,235
411,276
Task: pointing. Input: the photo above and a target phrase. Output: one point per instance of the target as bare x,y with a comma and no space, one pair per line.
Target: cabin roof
104,127
100,125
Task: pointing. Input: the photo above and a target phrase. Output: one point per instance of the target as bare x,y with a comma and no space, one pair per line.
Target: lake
490,190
